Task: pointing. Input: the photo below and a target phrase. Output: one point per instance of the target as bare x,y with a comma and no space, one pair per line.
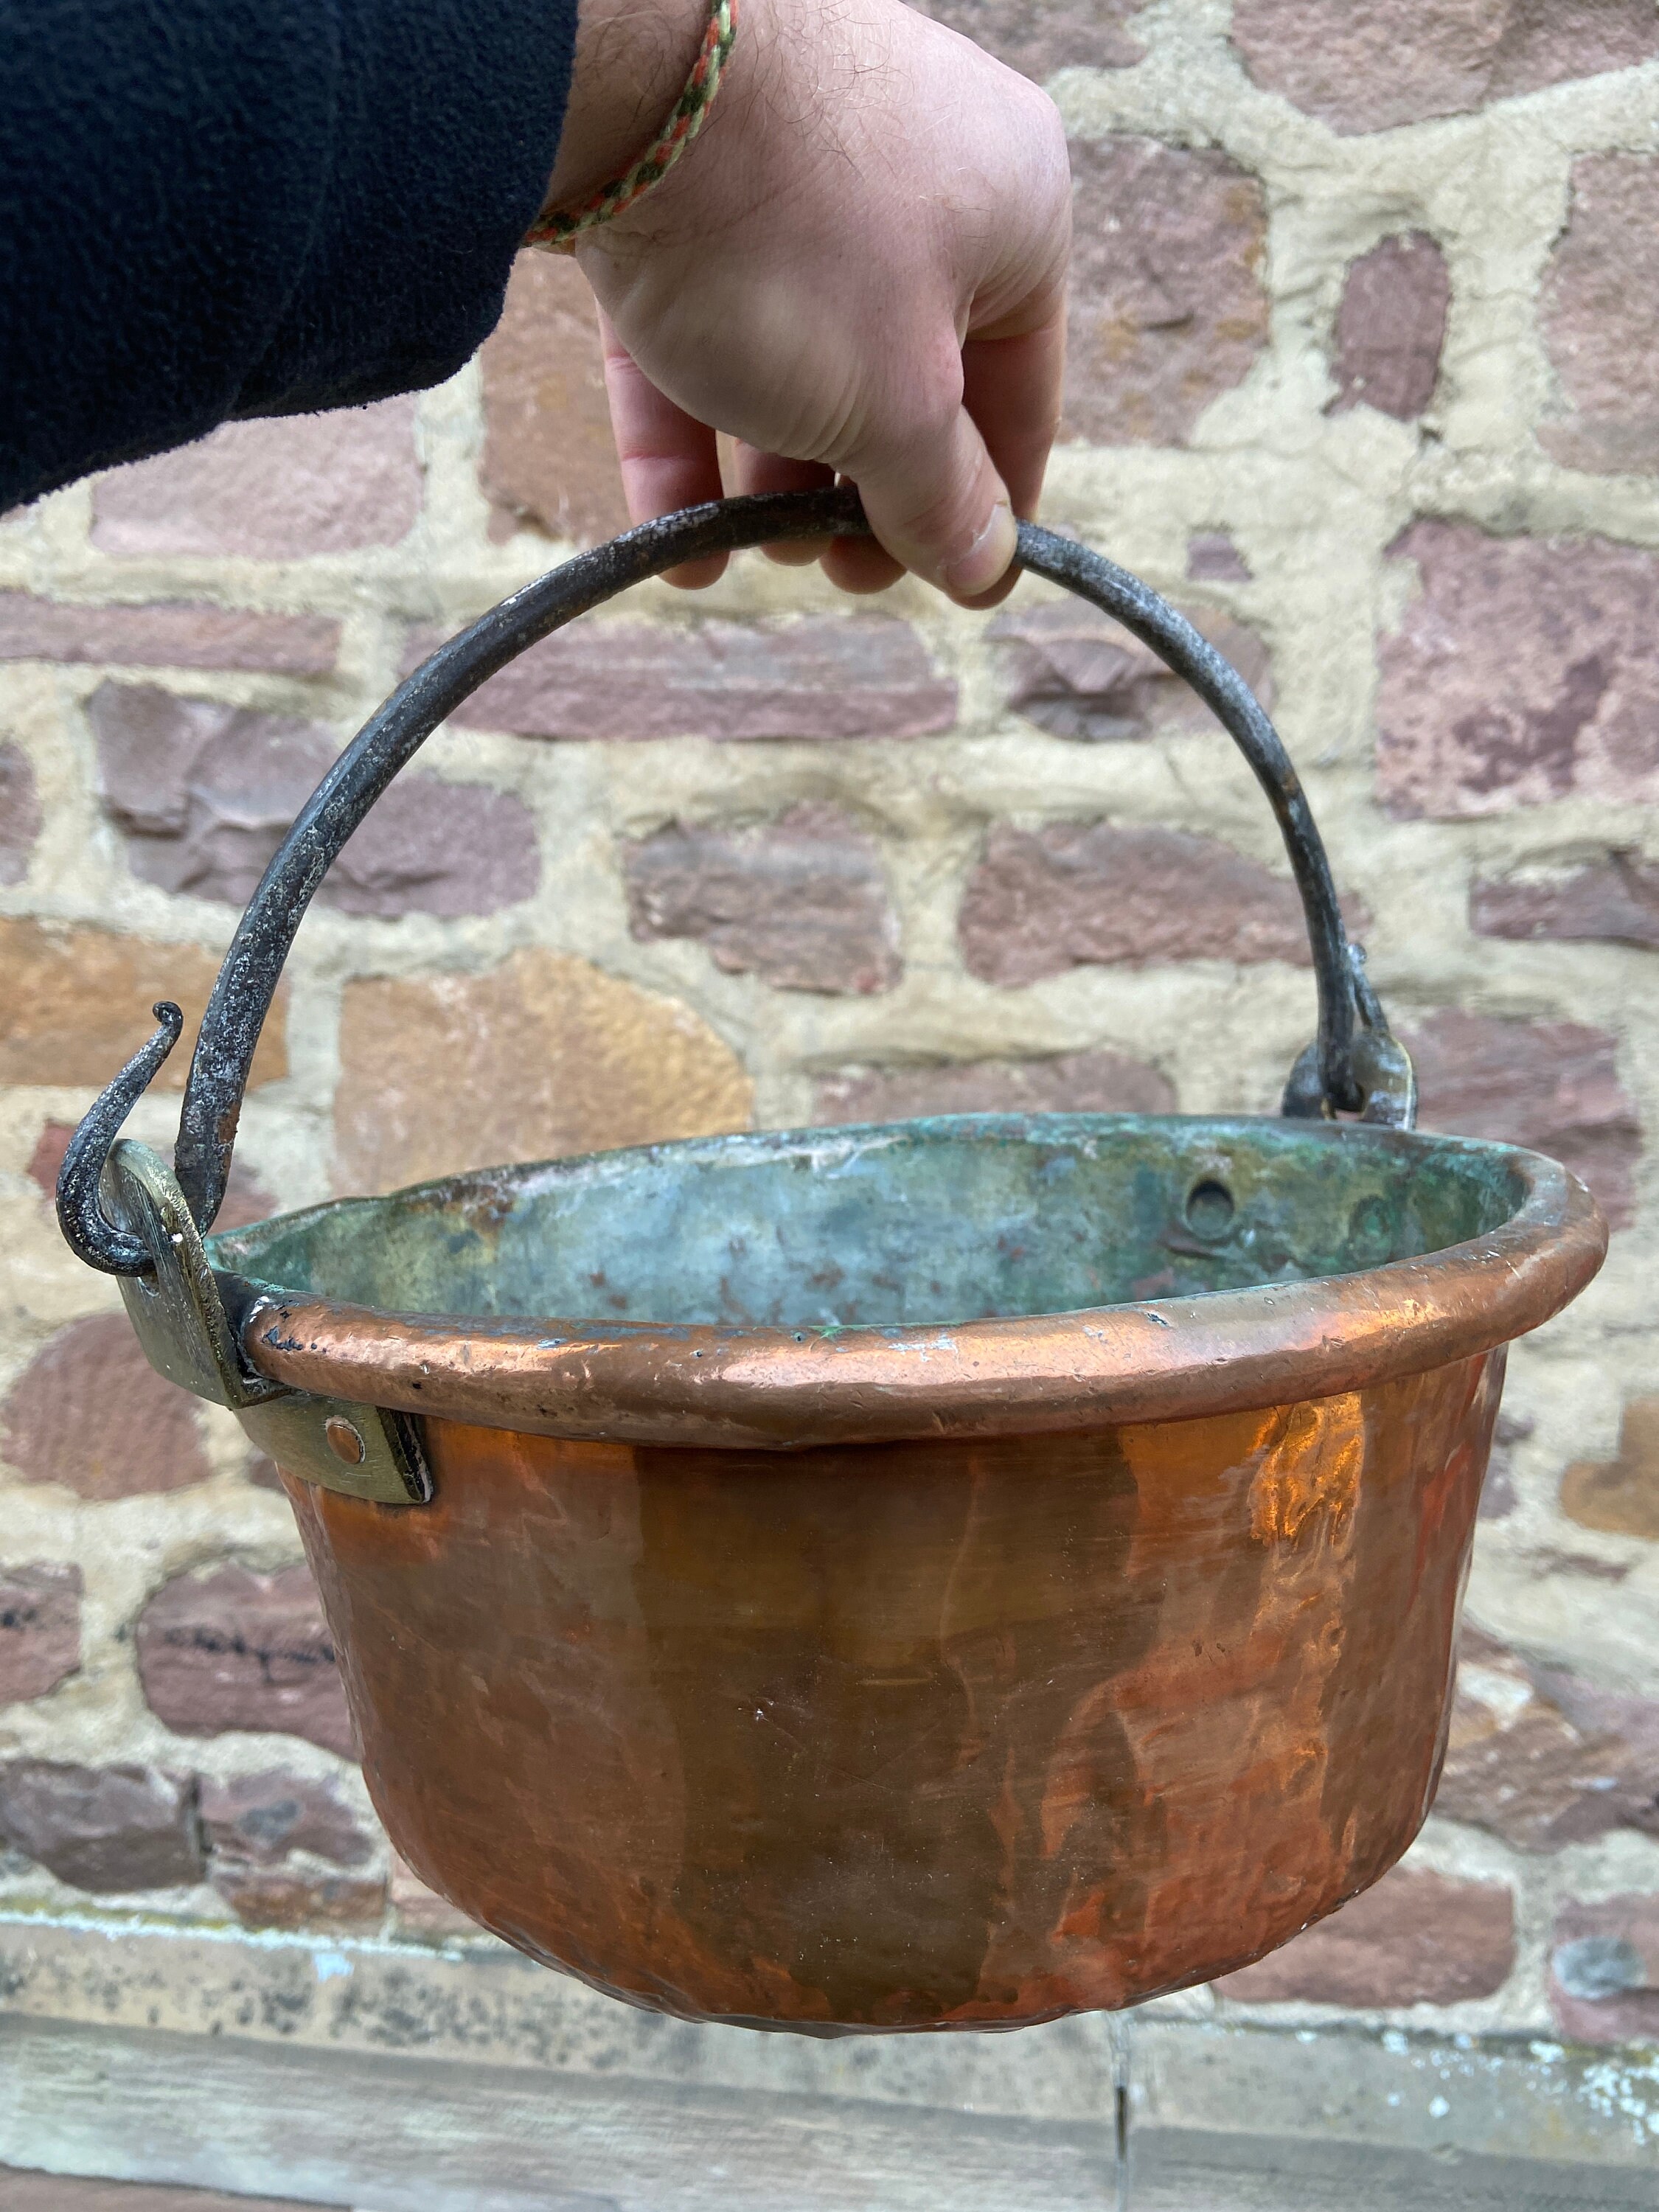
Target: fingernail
987,560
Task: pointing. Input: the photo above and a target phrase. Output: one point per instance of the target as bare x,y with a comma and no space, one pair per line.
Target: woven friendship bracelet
557,229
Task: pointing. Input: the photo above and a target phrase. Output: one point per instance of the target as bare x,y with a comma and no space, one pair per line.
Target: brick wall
1365,372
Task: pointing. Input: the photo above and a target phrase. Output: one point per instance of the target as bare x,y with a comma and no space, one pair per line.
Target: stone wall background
1365,372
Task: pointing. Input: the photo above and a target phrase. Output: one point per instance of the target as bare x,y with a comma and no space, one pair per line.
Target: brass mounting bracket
182,1310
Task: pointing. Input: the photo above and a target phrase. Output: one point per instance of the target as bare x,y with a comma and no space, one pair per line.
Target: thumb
937,503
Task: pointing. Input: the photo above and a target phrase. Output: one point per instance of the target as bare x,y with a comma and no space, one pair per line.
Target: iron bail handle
1353,1066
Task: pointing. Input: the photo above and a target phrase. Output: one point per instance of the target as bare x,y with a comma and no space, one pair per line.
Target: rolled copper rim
781,1389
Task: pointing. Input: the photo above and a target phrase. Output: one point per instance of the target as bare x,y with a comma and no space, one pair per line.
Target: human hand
859,268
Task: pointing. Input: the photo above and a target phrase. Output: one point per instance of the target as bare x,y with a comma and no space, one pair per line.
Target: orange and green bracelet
557,229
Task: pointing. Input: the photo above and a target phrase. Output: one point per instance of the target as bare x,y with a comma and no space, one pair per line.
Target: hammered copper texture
938,1733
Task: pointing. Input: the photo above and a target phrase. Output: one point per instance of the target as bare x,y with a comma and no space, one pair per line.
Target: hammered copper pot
946,1575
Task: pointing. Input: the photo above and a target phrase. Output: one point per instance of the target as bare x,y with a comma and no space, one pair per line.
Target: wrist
632,59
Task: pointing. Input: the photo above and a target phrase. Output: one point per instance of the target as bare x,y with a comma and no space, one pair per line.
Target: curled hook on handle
88,1229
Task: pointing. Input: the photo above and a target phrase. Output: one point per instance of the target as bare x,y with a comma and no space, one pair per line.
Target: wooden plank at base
333,2129
386,2135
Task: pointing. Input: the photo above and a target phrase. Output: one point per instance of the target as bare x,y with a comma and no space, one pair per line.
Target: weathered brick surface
40,1628
1604,1969
1042,901
286,1897
421,1912
1551,1086
109,1829
205,793
1076,673
1069,1083
1415,1938
1391,325
75,1003
1498,1499
548,459
277,489
801,901
245,1199
170,635
1541,1757
1600,317
20,811
1168,307
1038,37
1369,67
1620,1495
1526,669
1615,900
235,1649
91,1412
1212,557
540,1056
863,676
261,1818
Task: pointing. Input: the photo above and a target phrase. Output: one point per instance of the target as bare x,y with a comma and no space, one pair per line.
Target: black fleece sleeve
219,208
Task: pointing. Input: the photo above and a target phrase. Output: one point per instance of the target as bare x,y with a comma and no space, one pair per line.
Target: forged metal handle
1353,1066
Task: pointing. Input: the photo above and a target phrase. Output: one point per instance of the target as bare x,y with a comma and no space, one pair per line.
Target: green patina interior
925,1222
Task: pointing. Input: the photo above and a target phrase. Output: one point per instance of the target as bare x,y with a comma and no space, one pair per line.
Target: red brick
205,793
287,1897
20,811
1612,901
103,1828
421,1911
246,1199
1415,1938
1497,1497
542,1055
1604,1969
1367,64
1037,37
75,1003
39,1629
168,635
1600,313
277,489
1042,901
1067,1082
1076,673
261,1818
1550,1086
1212,557
1527,669
548,459
1542,1759
235,1649
1391,325
842,675
801,901
91,1412
1167,309
1620,1495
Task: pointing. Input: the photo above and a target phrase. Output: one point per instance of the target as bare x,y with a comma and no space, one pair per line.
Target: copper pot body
895,1672
920,1734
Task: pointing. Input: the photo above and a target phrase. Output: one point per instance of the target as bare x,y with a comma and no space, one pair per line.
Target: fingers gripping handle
1330,1077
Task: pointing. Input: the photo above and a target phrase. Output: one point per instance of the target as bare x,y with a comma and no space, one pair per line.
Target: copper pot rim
779,1389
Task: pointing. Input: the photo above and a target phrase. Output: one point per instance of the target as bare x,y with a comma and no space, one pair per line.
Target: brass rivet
345,1440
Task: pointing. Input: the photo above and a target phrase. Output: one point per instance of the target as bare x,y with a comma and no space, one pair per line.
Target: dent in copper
938,1733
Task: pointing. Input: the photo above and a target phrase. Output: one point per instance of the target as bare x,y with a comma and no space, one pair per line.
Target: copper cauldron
978,1569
